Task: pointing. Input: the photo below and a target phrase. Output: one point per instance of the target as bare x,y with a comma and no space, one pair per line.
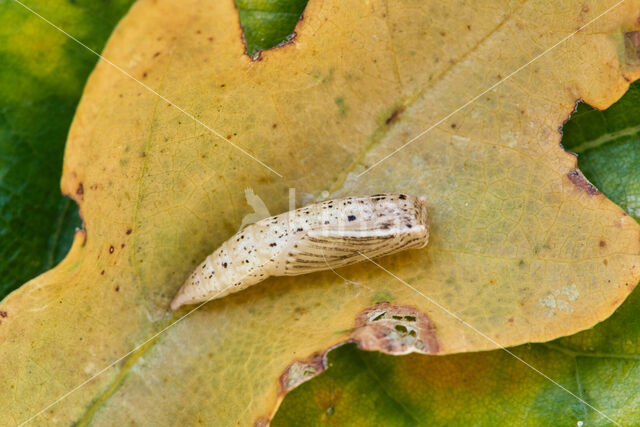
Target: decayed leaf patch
516,249
383,327
395,330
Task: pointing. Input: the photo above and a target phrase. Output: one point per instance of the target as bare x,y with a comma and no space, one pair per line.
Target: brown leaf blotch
300,371
632,47
582,183
395,329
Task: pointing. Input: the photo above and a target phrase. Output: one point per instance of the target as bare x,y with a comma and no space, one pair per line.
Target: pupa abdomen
329,234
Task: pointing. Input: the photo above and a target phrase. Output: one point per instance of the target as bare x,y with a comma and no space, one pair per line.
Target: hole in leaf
379,316
606,144
268,24
401,328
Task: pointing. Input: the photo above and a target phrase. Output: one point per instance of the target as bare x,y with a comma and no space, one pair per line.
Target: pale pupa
329,234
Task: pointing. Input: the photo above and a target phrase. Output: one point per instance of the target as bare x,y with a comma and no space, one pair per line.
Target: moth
321,236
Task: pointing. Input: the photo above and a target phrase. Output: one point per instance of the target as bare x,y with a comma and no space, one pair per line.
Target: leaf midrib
380,132
605,139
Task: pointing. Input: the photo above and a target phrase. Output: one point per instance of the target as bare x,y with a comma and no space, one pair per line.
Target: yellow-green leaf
599,365
522,247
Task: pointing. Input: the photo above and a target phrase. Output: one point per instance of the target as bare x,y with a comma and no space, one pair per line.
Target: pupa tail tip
176,303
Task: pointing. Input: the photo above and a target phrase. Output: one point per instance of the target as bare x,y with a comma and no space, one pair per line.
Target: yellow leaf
522,247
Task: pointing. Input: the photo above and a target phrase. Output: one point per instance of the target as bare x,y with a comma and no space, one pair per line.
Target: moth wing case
386,224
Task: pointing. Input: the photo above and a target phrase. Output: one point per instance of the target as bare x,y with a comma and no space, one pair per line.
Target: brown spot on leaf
394,116
300,371
395,329
299,312
632,47
605,262
578,179
111,249
128,231
603,243
3,314
117,288
80,190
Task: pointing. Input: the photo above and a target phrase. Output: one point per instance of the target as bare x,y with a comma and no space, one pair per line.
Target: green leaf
601,365
608,147
41,79
267,23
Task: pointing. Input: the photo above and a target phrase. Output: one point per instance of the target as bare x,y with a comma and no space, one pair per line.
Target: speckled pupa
321,236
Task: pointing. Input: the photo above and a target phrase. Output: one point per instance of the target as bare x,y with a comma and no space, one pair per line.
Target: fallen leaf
516,230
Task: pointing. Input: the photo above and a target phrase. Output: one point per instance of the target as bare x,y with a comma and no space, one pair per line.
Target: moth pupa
329,234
